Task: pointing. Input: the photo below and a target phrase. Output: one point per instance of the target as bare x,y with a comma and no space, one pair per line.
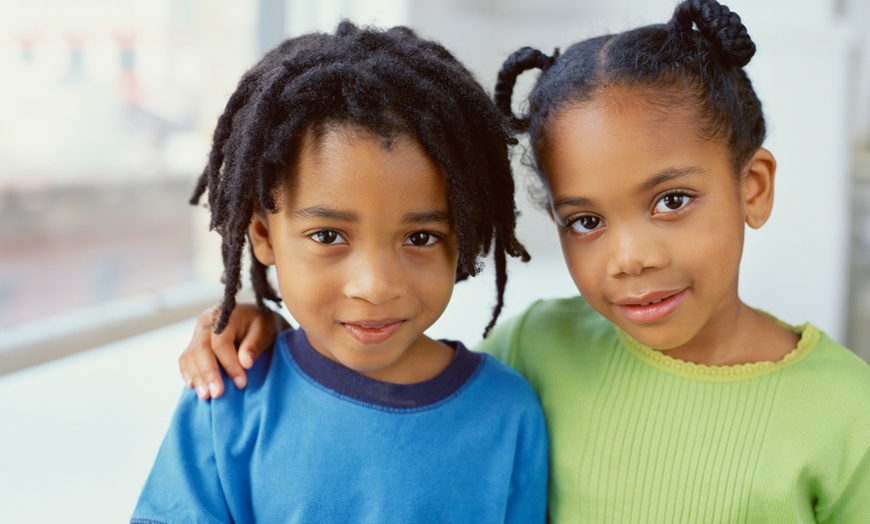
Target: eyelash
572,221
688,196
432,239
569,224
314,234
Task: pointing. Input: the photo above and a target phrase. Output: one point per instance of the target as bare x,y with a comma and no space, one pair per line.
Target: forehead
643,115
349,166
619,135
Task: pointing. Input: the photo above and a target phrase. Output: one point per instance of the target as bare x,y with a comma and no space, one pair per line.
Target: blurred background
106,111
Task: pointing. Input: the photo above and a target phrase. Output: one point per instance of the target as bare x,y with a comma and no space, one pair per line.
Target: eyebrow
427,217
571,201
667,175
325,213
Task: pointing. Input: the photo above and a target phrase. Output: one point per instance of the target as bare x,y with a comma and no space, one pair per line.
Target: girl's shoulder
575,310
835,362
549,331
557,320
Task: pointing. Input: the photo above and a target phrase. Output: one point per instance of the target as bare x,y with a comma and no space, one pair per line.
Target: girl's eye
585,223
421,239
327,236
671,202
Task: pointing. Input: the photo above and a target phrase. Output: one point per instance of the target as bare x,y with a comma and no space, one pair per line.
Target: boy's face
364,250
651,219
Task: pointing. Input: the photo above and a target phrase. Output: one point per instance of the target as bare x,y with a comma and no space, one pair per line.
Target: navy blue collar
344,381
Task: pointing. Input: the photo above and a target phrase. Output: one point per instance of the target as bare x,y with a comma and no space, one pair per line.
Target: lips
651,307
373,331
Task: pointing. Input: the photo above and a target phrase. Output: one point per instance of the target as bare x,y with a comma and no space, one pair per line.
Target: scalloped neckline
809,338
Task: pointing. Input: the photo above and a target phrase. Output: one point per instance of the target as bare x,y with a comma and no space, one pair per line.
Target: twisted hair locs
385,82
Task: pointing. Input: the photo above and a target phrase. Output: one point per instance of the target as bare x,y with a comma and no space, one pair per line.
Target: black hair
674,59
386,82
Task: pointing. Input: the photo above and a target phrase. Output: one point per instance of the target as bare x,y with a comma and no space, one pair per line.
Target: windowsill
45,340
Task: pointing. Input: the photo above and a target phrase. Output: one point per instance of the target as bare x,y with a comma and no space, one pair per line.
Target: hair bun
719,25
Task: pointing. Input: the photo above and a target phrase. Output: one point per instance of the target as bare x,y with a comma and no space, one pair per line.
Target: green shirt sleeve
853,503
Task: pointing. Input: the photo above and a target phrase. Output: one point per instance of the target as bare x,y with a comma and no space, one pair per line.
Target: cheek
731,252
721,236
438,282
433,278
317,282
580,265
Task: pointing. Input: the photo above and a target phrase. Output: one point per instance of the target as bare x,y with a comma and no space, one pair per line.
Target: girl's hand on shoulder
248,334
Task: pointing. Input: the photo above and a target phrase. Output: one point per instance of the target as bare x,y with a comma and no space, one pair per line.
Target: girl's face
364,251
651,219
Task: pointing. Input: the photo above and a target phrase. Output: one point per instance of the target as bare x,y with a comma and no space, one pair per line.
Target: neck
742,335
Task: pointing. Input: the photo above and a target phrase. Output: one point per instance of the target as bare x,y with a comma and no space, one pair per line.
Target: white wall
856,16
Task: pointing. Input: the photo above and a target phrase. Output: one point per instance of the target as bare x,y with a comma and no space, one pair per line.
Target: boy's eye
421,239
585,223
671,202
327,236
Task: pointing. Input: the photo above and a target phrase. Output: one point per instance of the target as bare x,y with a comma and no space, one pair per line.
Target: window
108,122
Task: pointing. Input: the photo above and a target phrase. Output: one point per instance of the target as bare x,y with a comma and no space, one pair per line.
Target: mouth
373,331
651,307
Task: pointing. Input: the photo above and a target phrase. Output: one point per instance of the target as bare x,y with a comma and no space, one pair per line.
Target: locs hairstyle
703,67
390,83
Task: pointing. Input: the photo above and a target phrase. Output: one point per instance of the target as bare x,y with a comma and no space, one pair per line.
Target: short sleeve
184,485
853,503
528,499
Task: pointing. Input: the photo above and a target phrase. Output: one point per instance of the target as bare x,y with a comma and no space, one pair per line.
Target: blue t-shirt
309,440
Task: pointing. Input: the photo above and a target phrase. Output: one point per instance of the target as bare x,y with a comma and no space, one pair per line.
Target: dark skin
248,334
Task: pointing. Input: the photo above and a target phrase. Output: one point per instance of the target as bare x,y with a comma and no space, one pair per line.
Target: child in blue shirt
371,170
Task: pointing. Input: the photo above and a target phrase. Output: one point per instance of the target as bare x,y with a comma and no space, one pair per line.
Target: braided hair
696,58
386,82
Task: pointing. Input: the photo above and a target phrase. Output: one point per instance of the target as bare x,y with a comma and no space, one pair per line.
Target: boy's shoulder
503,379
499,390
268,371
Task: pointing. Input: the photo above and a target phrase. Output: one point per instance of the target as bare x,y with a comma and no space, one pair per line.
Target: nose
374,275
633,250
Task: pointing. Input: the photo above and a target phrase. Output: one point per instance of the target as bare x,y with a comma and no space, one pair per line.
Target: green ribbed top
637,436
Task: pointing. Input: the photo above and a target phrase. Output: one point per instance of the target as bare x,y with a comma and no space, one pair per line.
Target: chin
657,341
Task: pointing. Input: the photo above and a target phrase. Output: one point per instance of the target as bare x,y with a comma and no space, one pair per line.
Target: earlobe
258,232
757,188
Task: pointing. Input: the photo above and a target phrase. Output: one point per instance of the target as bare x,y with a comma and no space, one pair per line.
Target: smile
373,331
652,308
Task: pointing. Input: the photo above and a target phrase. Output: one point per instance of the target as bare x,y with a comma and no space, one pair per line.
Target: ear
756,188
258,232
